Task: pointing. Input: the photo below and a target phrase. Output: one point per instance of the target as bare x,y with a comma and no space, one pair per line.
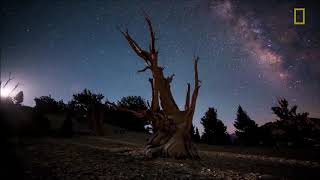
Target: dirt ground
102,158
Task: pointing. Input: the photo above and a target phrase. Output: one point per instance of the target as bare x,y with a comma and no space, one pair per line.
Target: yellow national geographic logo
302,18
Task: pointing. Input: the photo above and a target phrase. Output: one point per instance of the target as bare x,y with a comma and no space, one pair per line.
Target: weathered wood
172,126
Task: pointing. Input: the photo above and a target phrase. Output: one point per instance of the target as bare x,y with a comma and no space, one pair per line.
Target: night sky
250,53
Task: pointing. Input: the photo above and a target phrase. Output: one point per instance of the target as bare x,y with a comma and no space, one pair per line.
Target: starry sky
250,52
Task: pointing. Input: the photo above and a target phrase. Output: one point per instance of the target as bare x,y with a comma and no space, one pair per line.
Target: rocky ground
108,158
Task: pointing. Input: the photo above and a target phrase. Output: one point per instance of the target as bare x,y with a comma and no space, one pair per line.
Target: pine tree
296,127
246,129
214,129
287,114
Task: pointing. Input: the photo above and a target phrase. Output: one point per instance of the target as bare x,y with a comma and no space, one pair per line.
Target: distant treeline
290,128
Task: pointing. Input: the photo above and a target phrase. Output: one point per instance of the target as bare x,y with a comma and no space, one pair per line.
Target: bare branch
7,82
144,69
152,35
170,78
15,87
137,49
196,86
141,114
187,104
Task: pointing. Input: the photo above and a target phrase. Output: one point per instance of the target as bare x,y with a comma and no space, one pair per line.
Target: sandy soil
109,158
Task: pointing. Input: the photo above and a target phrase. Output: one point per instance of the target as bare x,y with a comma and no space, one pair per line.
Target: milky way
250,32
285,54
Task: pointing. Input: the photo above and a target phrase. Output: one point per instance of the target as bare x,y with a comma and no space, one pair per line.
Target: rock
267,177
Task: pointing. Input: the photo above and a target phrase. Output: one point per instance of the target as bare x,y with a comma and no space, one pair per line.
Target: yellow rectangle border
303,16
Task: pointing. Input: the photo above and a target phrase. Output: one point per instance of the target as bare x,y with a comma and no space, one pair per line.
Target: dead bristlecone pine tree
172,126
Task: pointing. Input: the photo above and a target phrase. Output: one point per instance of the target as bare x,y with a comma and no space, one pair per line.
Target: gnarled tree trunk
172,126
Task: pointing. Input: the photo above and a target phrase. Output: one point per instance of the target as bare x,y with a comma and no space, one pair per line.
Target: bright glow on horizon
5,92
